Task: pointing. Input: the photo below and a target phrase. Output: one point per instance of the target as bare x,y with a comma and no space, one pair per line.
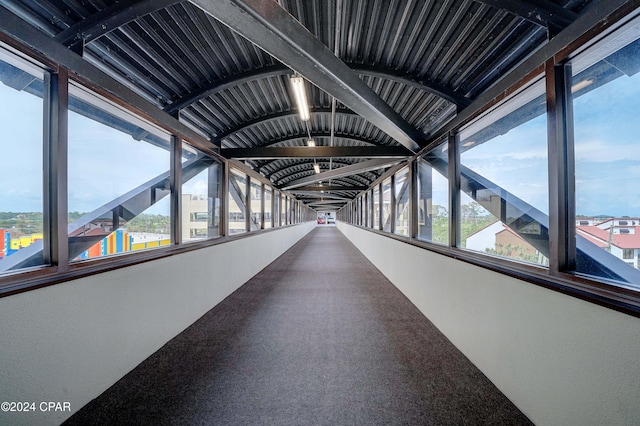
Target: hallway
318,337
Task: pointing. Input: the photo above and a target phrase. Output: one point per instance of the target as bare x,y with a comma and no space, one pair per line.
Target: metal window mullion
224,199
562,233
454,191
279,209
55,176
213,183
247,205
380,208
370,208
262,205
175,185
392,205
413,199
367,211
273,206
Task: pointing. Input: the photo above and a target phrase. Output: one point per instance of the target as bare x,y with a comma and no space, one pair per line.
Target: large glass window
117,203
376,207
237,202
21,195
433,196
268,206
606,93
402,189
285,209
367,208
504,180
200,195
386,205
276,208
256,206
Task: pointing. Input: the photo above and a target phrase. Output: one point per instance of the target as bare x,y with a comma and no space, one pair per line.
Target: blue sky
606,133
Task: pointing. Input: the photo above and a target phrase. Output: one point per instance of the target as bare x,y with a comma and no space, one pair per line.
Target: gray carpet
319,337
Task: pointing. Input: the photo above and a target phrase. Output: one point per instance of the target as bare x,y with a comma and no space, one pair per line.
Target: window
285,206
366,210
237,202
433,196
21,192
200,195
268,205
504,184
386,205
256,206
117,203
276,208
402,209
606,100
376,207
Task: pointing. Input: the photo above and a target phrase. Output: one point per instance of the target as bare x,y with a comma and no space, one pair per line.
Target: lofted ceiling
383,76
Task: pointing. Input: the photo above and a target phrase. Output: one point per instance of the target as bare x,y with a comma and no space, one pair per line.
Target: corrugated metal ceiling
425,59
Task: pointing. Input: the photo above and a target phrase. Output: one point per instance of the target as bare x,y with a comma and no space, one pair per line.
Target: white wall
71,341
561,360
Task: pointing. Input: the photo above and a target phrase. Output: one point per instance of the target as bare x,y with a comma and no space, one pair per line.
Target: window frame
561,276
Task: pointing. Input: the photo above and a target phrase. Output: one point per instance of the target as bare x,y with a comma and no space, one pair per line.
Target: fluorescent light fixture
469,143
311,142
316,167
297,83
581,85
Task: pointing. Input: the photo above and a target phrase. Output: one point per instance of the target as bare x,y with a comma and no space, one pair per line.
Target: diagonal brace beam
271,28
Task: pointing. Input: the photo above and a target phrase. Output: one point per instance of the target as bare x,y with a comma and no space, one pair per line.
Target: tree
472,212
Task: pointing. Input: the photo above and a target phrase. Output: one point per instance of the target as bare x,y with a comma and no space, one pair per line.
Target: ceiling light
581,85
468,143
311,142
316,167
297,83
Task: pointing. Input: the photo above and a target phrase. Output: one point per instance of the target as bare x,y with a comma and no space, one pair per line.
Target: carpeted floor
320,337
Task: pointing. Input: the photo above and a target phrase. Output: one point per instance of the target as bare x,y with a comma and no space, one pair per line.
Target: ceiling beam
317,195
271,28
540,12
279,70
261,153
328,188
226,83
273,117
361,167
288,139
325,202
108,19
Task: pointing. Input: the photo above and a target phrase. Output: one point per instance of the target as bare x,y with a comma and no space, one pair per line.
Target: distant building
195,216
618,236
497,238
9,245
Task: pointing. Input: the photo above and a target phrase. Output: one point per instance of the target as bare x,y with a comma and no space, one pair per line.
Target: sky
104,163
